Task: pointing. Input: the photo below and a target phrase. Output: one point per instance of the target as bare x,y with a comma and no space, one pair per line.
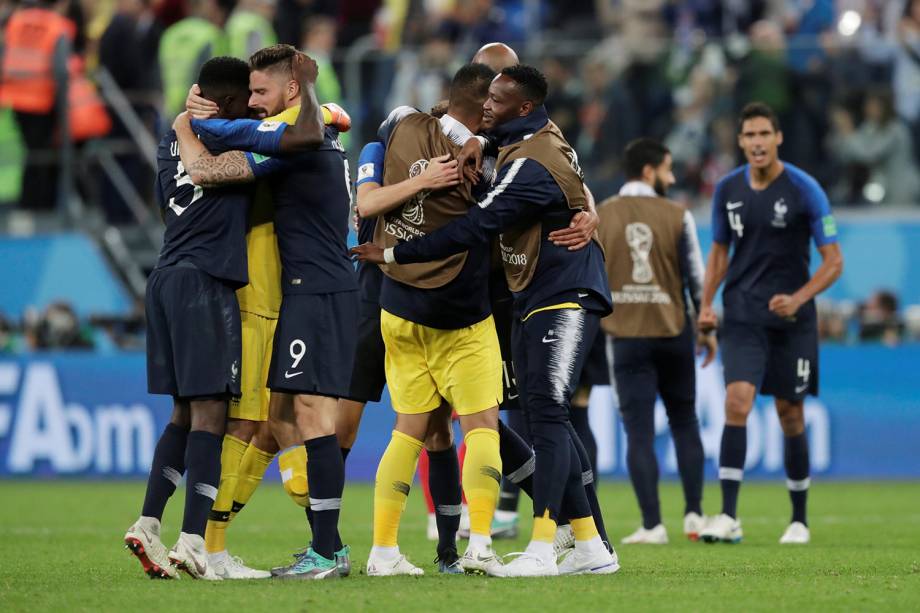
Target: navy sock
731,466
444,484
326,479
797,471
202,456
690,459
166,470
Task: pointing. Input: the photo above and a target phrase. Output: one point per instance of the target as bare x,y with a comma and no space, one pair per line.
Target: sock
544,529
292,464
444,483
394,474
166,470
326,475
542,549
731,466
424,479
385,553
797,471
252,468
482,473
584,529
579,418
231,455
202,456
690,460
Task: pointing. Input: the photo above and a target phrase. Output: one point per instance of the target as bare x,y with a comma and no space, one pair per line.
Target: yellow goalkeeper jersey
263,294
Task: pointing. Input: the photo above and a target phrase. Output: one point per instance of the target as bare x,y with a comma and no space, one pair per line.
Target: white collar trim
637,188
454,130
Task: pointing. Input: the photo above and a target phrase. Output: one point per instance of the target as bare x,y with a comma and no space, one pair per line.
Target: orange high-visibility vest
27,73
87,115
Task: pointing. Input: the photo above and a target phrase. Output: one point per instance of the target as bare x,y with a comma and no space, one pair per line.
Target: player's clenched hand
707,321
304,68
368,252
706,343
198,107
784,305
579,233
440,173
469,161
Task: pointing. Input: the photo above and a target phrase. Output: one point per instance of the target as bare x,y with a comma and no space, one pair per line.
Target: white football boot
722,528
654,536
231,567
190,555
527,564
143,540
694,524
796,534
480,559
590,559
377,566
564,540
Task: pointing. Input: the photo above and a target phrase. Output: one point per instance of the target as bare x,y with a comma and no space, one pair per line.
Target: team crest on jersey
779,213
413,212
269,126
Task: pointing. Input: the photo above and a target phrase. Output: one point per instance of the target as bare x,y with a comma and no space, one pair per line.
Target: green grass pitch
61,549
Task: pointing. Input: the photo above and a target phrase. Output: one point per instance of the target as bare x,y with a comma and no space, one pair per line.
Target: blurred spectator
7,336
879,319
422,79
477,22
882,144
128,50
764,73
564,98
293,13
56,328
250,27
188,44
37,40
319,43
907,68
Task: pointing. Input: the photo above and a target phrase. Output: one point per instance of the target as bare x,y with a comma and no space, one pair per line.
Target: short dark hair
223,75
531,82
758,109
640,152
276,57
470,84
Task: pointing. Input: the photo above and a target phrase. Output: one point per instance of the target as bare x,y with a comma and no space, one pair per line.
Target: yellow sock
482,475
215,536
544,528
292,463
252,469
394,474
584,528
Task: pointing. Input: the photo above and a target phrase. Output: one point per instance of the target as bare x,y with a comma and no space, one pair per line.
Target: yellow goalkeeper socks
252,469
292,463
482,475
394,474
544,529
584,528
231,455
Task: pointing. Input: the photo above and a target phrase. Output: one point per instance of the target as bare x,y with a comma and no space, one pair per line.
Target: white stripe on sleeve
506,181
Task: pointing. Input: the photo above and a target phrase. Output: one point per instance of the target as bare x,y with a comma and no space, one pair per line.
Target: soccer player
766,211
653,263
193,335
249,443
314,343
559,295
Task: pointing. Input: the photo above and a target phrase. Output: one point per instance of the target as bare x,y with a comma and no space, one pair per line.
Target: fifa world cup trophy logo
639,239
412,210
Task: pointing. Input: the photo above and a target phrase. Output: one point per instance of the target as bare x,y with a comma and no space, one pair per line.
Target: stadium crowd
843,76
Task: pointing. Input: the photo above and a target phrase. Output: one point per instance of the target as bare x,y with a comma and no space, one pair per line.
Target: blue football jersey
205,227
769,233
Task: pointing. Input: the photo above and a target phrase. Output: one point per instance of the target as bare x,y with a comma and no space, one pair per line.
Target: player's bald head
496,56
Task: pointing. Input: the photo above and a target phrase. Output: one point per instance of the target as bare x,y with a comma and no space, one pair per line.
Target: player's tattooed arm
204,168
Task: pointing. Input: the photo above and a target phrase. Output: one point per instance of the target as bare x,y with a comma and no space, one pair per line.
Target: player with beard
654,264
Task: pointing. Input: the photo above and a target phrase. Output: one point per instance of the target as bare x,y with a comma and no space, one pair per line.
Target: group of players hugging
481,283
